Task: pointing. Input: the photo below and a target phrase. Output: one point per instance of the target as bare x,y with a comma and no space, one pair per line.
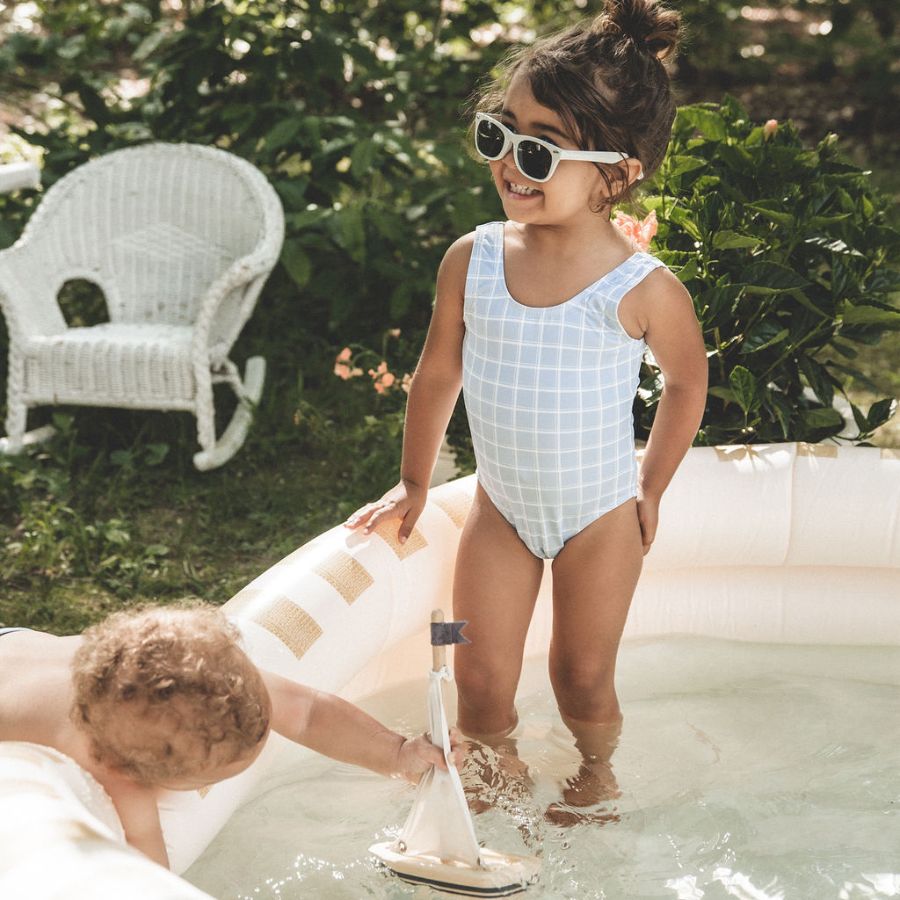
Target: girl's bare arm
666,315
432,395
673,335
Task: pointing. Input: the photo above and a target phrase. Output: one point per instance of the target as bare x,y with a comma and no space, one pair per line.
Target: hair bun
645,24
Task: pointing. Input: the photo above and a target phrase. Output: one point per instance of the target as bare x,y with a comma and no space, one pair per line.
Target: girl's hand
418,755
648,516
404,501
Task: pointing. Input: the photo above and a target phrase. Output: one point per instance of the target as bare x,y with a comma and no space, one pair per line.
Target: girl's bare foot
493,776
587,797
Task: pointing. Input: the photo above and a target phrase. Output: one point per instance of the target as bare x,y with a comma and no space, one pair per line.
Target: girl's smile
517,192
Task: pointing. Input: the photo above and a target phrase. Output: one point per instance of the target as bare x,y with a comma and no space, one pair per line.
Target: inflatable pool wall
787,542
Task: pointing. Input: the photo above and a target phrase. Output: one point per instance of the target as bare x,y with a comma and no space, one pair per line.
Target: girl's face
575,185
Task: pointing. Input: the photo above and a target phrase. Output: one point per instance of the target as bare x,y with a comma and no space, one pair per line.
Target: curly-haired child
165,698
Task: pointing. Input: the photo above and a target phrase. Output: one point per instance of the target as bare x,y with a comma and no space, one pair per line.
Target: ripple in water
745,771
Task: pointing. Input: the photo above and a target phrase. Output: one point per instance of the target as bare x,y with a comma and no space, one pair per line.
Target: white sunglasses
534,158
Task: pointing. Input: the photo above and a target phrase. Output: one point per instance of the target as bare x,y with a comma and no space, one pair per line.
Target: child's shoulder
658,290
459,253
658,269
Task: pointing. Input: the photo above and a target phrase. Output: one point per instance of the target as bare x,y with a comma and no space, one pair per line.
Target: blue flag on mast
443,633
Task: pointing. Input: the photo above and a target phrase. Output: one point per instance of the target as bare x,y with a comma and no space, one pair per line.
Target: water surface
753,771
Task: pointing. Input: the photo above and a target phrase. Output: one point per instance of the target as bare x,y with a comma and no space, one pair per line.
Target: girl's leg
594,577
495,587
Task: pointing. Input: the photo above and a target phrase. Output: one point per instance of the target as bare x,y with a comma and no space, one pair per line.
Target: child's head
167,696
605,82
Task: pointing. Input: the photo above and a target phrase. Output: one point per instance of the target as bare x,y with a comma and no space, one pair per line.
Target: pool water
749,771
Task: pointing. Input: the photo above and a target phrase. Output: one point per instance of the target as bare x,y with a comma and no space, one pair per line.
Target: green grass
87,536
214,531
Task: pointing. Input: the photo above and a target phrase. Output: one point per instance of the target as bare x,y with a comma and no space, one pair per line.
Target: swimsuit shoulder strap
632,273
636,269
486,261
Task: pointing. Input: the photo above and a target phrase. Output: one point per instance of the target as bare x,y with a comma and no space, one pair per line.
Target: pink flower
342,370
382,378
342,367
770,128
639,231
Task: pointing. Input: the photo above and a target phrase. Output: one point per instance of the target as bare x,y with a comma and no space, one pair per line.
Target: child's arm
327,724
674,336
139,815
432,396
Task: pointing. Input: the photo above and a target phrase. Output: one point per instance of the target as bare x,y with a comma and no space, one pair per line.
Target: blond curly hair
165,692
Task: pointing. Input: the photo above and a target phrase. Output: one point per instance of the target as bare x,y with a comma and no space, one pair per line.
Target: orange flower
342,367
342,370
770,128
382,378
639,231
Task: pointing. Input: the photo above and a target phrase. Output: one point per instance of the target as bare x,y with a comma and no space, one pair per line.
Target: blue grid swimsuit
548,393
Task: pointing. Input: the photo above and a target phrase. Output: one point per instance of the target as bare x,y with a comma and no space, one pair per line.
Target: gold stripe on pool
829,451
348,576
387,531
294,627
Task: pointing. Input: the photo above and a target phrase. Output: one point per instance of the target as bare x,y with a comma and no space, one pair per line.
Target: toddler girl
542,320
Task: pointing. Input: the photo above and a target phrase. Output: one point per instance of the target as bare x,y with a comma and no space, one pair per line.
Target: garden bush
787,254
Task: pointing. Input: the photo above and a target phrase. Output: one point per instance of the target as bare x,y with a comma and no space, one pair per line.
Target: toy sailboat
437,844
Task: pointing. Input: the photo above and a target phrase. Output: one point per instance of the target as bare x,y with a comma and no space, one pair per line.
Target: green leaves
743,386
765,277
709,122
787,254
731,240
297,262
869,315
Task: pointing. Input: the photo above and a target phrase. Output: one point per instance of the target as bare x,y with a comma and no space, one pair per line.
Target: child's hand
417,755
648,517
404,501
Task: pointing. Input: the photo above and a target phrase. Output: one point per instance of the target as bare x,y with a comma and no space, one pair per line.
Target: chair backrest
155,225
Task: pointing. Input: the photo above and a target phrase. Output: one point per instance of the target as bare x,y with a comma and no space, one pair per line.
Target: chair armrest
28,294
15,176
227,304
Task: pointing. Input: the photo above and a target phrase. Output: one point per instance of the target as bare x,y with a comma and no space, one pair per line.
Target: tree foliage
353,111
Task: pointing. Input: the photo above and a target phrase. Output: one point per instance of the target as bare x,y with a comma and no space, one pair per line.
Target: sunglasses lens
488,139
534,160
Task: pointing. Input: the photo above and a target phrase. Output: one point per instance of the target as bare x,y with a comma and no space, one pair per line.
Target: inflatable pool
780,543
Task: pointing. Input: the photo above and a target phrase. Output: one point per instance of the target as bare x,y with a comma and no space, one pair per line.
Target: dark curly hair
606,79
165,691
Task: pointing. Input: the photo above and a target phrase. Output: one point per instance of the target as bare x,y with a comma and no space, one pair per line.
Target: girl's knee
481,685
585,691
486,704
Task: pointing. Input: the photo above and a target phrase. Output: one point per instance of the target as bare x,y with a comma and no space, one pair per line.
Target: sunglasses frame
557,154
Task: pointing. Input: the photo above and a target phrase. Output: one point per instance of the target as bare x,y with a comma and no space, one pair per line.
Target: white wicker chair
180,238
